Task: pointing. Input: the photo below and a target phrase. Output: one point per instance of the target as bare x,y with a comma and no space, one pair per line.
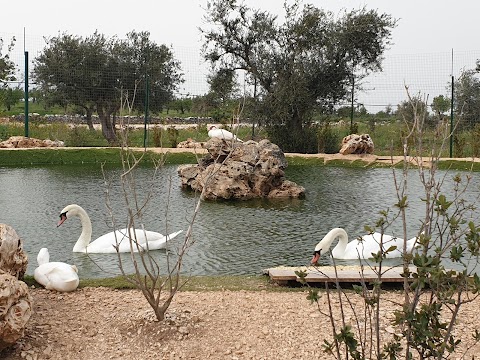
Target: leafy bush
303,140
424,324
328,139
80,136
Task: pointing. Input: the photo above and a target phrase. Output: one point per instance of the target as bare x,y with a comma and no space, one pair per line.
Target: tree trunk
89,112
108,129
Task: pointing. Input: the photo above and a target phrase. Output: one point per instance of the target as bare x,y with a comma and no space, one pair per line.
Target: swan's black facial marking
63,217
316,256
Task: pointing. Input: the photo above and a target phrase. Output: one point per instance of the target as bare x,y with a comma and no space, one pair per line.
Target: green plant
328,139
476,141
294,140
460,144
172,136
433,295
371,124
80,136
157,136
354,128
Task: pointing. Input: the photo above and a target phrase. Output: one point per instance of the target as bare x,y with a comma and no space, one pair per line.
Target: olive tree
304,64
95,73
8,96
223,90
7,66
467,98
441,104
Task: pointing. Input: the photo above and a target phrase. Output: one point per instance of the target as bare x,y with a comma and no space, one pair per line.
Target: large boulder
13,259
15,301
240,171
15,309
357,144
27,142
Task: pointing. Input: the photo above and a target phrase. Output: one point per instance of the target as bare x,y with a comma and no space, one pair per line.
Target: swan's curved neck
86,235
327,241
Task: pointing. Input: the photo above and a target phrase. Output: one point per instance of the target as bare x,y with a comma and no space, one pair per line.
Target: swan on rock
356,249
214,132
115,241
57,276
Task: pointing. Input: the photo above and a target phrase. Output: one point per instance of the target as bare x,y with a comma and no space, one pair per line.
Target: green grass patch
300,160
181,158
459,165
193,283
112,156
346,163
62,156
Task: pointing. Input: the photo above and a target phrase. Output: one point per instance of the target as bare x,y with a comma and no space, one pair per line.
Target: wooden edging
348,274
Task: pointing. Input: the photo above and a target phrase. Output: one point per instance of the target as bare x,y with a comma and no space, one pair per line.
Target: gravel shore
101,323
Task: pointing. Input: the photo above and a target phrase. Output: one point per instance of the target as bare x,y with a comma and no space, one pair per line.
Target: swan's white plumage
356,249
214,132
57,276
108,243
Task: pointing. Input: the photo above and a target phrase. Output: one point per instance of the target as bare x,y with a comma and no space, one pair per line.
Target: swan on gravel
114,241
57,276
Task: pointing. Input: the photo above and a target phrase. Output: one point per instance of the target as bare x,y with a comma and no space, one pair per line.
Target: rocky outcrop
15,309
27,142
13,259
15,301
357,144
240,171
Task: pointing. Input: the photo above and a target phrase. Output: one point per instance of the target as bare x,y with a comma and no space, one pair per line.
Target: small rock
183,330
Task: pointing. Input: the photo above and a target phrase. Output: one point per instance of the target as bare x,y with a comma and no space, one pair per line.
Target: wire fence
193,66
428,75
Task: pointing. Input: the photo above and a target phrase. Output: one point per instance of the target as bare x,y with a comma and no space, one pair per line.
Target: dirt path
100,323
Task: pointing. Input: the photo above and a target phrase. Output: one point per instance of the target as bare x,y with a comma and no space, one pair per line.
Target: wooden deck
346,274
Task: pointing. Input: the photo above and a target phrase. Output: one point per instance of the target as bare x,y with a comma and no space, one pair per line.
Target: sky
427,33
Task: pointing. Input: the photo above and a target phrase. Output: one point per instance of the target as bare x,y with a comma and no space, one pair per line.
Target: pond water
230,237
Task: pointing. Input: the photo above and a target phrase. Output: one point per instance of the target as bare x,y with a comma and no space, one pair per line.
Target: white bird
357,249
114,241
214,132
57,276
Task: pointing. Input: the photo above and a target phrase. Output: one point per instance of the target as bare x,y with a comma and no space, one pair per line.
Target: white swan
57,276
214,132
108,243
360,249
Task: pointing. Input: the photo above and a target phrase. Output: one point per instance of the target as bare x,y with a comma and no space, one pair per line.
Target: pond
230,237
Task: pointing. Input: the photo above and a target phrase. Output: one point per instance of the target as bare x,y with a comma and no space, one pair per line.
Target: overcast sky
426,29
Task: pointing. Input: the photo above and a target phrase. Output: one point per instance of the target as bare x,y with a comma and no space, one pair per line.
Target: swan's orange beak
63,217
316,256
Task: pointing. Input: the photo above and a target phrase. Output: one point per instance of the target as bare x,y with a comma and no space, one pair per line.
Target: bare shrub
423,325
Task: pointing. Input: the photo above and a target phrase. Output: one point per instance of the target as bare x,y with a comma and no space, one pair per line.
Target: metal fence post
26,93
451,119
147,95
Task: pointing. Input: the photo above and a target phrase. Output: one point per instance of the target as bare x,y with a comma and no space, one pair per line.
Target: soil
102,323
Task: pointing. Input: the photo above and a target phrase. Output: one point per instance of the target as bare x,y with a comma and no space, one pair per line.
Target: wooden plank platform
346,274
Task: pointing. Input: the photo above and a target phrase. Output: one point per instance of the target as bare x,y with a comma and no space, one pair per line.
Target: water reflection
230,237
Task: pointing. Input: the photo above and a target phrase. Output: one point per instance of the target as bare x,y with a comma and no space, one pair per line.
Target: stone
190,144
357,144
240,171
27,142
13,259
15,309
